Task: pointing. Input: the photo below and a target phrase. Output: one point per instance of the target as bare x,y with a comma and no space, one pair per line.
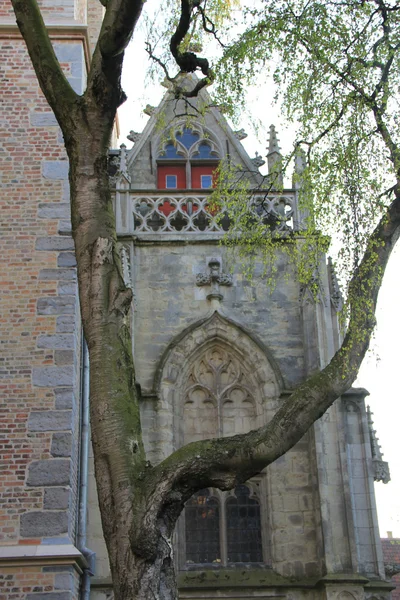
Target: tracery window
190,158
219,400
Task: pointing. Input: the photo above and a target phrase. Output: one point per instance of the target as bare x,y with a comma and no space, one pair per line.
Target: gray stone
64,357
64,341
66,324
56,305
65,228
38,524
50,596
67,53
76,84
57,274
64,581
49,472
77,68
54,242
67,288
52,376
54,210
66,259
50,420
43,119
56,498
55,169
61,444
66,195
65,398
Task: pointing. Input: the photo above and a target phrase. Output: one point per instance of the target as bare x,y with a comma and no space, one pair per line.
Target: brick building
217,353
391,556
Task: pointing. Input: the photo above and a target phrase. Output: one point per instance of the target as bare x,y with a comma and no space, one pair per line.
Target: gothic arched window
219,400
187,162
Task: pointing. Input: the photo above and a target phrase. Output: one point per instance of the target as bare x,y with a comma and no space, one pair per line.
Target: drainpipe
83,475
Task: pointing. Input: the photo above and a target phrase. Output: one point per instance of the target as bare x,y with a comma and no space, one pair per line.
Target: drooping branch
51,78
224,462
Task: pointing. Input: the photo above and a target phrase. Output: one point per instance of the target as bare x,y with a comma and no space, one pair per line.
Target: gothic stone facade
216,353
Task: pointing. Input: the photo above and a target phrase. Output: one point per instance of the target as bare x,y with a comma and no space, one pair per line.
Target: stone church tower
215,354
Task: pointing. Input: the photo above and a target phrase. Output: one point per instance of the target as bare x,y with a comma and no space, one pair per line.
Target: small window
171,182
206,181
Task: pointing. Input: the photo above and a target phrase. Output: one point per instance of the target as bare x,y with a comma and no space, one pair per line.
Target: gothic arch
253,377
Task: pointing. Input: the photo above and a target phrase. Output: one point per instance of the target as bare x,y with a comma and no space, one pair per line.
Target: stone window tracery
189,154
219,400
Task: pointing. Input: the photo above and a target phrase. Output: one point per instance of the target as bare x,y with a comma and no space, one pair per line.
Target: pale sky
381,368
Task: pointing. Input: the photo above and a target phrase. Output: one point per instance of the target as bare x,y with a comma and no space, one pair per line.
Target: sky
380,371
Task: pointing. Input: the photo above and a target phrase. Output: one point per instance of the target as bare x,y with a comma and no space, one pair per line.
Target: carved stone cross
215,277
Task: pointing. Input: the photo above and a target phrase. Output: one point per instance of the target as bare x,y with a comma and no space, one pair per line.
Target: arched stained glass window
202,516
243,524
204,151
191,156
170,151
187,138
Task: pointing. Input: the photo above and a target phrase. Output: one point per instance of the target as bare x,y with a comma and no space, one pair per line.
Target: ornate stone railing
169,213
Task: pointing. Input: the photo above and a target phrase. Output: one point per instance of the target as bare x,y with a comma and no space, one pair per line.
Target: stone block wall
40,333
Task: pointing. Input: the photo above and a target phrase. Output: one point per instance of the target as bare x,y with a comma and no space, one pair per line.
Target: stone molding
42,555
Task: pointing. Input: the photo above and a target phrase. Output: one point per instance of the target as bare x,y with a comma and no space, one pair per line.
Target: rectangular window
171,182
206,181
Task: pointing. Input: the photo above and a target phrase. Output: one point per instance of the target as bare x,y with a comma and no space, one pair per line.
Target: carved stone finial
215,277
381,467
126,266
240,134
300,164
149,110
134,136
258,161
273,145
274,158
334,288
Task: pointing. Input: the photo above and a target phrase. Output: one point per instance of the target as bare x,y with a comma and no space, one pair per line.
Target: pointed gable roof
199,114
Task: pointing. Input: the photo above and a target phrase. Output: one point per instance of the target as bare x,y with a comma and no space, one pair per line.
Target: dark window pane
243,527
202,529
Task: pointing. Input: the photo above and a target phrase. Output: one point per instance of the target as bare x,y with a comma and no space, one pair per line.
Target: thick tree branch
118,25
224,462
189,62
53,83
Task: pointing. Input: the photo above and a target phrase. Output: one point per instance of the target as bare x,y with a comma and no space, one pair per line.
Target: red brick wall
391,554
